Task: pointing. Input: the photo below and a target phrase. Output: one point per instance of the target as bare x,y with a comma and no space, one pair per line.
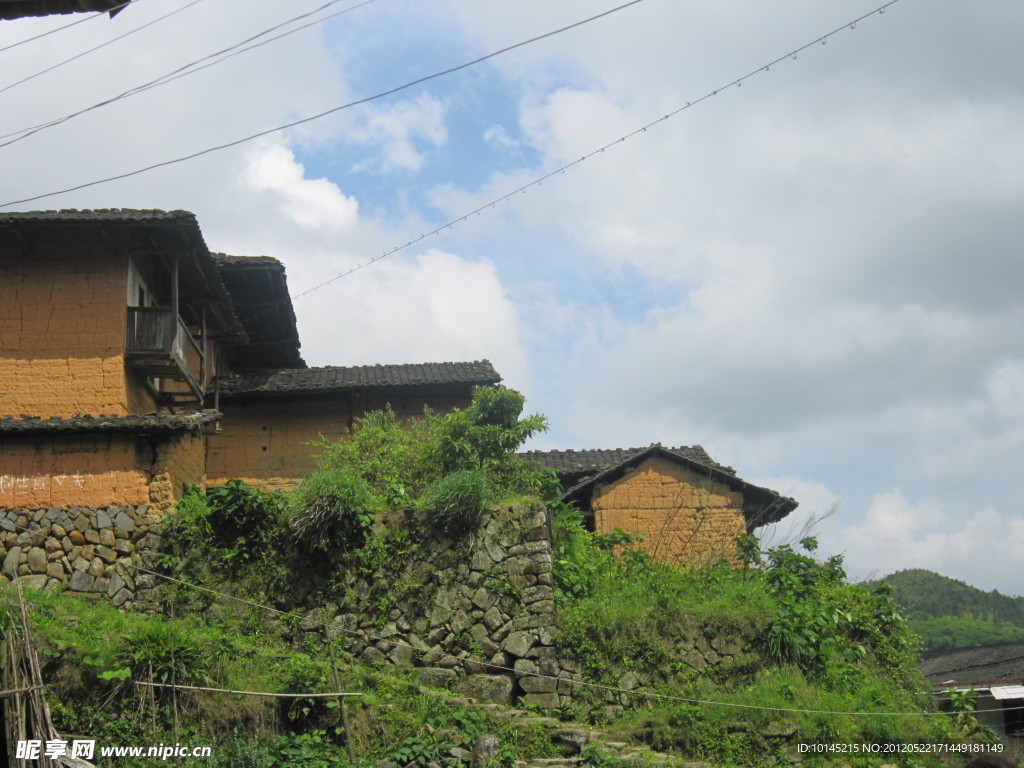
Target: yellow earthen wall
91,470
684,518
264,443
62,329
180,462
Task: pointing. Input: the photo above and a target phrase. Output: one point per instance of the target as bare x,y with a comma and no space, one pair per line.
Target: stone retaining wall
92,550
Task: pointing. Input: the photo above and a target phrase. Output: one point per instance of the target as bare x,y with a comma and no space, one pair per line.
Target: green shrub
333,509
456,502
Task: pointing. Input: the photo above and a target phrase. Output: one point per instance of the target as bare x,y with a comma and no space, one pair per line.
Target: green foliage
234,519
486,435
162,652
334,509
948,613
457,501
393,457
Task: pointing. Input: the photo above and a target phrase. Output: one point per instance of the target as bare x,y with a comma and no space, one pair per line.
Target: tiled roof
592,461
143,424
178,232
996,664
259,294
345,378
580,471
141,216
15,9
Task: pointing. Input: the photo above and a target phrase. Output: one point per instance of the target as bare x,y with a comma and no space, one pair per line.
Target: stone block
81,582
11,562
519,643
541,700
436,677
37,560
538,684
496,688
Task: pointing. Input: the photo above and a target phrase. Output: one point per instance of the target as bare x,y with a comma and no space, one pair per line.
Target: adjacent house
135,363
993,674
687,507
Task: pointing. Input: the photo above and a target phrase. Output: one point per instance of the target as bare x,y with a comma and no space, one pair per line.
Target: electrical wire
185,69
562,169
68,26
98,47
325,113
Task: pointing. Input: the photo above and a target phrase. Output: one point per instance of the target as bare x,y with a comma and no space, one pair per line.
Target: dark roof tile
81,423
344,378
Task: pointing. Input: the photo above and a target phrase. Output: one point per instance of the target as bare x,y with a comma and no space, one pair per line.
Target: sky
814,270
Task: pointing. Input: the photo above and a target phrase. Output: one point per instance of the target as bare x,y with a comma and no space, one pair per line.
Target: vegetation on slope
809,646
812,649
947,613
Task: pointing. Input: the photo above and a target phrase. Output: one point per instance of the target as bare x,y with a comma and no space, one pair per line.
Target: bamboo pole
248,693
337,684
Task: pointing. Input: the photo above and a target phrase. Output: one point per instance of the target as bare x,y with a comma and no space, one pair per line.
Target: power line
331,111
98,47
68,26
562,169
185,69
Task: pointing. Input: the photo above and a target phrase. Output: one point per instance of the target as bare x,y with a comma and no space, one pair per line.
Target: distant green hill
948,613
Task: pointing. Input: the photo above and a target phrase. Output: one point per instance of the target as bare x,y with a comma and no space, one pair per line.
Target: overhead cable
325,113
562,169
76,57
186,69
68,26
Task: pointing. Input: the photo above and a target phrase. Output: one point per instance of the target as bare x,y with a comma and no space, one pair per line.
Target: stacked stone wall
88,550
684,518
475,614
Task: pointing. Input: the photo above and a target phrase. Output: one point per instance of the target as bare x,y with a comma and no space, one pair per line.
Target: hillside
948,613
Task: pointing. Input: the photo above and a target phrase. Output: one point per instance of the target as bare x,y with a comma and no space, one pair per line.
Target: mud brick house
134,363
688,508
16,9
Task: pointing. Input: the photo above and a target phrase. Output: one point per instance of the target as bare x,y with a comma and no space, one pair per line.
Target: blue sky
817,275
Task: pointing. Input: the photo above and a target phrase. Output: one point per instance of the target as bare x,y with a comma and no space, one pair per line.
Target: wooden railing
161,344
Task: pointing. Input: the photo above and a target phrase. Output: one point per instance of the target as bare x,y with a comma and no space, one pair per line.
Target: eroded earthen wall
100,470
684,518
62,331
180,462
273,444
87,470
266,443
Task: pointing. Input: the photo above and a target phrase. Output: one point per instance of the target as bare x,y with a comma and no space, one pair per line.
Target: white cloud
399,133
310,203
434,307
982,549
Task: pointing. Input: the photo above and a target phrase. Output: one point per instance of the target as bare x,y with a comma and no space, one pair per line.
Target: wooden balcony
158,344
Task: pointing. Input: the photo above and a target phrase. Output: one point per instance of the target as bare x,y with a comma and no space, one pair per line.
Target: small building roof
153,423
15,9
259,294
335,379
581,471
975,667
149,233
